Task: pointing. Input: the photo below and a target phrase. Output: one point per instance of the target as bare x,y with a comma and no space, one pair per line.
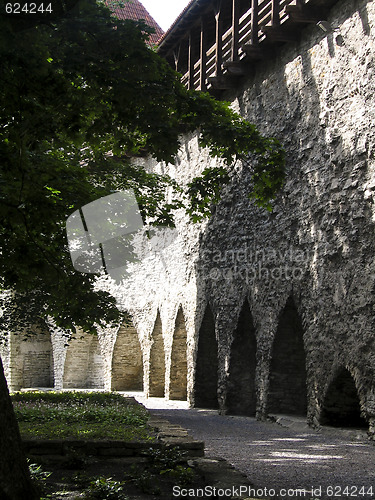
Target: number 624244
28,8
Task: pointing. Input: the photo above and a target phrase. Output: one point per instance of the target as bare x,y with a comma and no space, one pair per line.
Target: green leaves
205,190
229,137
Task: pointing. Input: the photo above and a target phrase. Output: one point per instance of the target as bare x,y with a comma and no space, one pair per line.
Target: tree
15,483
80,94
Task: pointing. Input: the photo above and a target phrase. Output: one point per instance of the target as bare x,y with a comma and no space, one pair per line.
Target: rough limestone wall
84,364
316,96
161,292
59,340
30,362
127,361
156,362
177,387
90,358
315,248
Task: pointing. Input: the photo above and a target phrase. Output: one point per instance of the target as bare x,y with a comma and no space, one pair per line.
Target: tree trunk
15,481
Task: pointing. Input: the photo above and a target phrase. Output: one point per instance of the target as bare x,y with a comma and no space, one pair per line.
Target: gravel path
277,458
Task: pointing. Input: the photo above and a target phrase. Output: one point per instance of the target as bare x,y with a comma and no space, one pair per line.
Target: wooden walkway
213,43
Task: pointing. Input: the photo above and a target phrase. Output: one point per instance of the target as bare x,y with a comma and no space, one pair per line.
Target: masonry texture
282,302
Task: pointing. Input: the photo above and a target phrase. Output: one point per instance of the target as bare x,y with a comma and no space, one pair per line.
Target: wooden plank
256,52
235,29
262,27
254,23
190,63
176,57
203,56
275,13
219,41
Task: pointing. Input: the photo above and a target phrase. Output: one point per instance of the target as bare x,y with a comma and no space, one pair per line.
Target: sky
165,11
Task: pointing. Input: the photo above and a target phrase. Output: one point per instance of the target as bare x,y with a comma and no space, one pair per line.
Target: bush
105,489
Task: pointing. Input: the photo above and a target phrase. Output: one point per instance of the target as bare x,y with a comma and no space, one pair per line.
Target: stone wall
241,376
206,364
84,365
127,361
156,369
178,369
290,292
316,247
28,361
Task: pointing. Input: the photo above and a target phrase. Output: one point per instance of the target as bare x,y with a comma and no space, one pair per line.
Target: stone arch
157,361
241,389
37,354
127,360
287,383
178,374
206,366
341,406
84,364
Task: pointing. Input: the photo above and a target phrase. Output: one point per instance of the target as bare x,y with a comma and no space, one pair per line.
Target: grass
80,415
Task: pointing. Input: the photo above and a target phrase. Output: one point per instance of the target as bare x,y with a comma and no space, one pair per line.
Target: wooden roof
134,10
183,23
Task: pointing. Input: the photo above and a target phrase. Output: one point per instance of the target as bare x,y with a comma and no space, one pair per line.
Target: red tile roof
133,9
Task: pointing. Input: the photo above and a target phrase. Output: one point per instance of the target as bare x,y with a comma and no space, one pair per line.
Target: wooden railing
231,53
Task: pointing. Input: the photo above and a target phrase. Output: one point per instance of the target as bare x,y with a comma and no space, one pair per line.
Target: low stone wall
108,448
167,436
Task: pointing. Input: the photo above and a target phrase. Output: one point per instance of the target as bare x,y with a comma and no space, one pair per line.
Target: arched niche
127,360
287,383
157,361
37,360
178,374
241,388
341,406
205,383
84,365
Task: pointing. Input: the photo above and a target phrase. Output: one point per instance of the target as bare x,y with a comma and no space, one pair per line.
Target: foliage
181,475
205,190
105,489
38,477
165,464
37,473
230,137
79,415
166,458
172,463
80,95
146,482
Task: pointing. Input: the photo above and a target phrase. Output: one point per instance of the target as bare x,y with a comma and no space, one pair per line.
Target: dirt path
292,462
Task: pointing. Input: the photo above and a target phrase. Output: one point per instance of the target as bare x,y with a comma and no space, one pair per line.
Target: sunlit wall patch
101,235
